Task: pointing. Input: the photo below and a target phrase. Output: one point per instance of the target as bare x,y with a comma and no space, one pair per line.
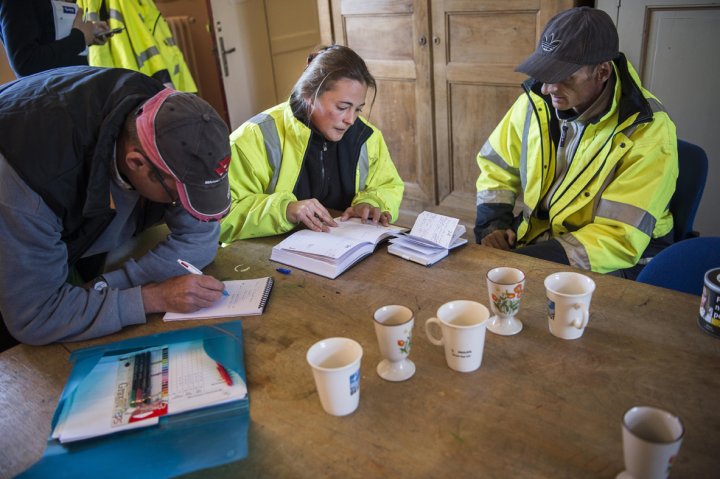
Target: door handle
223,56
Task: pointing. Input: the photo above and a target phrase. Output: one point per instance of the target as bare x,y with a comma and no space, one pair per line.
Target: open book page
339,240
134,390
436,230
245,297
196,380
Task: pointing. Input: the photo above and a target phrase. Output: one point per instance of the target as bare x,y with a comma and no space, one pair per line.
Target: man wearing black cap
89,158
586,155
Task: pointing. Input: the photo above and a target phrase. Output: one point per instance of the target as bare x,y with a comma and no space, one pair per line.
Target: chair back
693,168
682,266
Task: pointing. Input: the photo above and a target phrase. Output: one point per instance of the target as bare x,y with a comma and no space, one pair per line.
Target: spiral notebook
246,297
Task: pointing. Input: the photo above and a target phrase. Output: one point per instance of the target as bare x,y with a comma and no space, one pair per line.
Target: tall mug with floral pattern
393,327
505,288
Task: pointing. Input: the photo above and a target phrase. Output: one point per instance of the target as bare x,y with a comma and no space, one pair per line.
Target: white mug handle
585,316
431,338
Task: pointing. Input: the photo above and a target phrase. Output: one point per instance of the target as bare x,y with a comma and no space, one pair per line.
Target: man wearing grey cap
89,158
582,168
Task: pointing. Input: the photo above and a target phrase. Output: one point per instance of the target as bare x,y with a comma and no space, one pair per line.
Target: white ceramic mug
651,440
462,325
568,303
393,328
335,363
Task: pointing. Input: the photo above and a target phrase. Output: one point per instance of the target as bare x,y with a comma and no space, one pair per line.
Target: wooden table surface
538,406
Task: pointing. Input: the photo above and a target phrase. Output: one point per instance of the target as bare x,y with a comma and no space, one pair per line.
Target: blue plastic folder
178,444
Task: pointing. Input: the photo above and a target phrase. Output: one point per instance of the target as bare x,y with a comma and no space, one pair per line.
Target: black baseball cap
184,137
571,39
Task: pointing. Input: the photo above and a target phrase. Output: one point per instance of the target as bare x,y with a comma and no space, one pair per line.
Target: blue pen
283,270
194,270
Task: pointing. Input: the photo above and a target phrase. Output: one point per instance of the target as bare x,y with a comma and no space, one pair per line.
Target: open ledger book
330,254
431,238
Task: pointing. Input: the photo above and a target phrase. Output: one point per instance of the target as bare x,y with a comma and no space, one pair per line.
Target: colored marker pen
192,269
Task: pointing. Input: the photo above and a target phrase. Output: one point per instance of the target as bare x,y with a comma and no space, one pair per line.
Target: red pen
224,374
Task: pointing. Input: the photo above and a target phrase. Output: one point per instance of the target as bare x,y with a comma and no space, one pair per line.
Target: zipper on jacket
322,162
563,133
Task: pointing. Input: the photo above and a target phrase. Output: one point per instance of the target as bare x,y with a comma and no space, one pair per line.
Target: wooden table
539,406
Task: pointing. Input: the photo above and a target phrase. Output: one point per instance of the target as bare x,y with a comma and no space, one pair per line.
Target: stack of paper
430,239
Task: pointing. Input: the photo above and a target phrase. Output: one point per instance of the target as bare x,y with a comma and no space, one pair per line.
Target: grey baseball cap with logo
571,39
184,137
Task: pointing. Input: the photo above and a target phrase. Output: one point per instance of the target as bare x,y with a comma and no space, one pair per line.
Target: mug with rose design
505,288
393,327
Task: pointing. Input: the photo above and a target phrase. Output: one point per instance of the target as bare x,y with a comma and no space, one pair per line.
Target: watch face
100,285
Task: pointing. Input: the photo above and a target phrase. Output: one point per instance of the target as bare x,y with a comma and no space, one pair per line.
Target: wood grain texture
537,407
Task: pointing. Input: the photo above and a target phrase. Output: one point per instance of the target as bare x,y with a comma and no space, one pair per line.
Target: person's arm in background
383,187
31,50
498,183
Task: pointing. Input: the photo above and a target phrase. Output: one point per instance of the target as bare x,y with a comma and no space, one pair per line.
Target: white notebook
430,239
246,297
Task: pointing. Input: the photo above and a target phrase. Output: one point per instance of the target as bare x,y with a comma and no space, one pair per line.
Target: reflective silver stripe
524,149
628,214
364,166
655,105
146,55
92,17
117,15
575,251
526,211
489,153
495,196
271,138
630,130
170,42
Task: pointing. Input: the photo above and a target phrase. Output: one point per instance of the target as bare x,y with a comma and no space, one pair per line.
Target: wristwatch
99,283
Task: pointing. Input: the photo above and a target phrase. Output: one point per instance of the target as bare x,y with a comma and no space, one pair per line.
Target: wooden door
393,39
476,47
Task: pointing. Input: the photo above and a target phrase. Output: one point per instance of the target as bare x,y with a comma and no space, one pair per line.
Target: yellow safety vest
145,45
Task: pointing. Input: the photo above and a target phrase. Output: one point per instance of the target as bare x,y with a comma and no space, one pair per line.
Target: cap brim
546,69
206,202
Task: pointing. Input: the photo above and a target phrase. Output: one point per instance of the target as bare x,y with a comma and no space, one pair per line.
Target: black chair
693,169
682,266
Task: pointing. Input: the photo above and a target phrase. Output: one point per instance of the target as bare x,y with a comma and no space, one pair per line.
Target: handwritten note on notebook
246,297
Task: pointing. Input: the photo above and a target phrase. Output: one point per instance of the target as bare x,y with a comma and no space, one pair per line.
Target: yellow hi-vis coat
267,157
616,193
146,44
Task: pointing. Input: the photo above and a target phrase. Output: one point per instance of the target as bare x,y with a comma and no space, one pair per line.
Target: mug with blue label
568,302
335,364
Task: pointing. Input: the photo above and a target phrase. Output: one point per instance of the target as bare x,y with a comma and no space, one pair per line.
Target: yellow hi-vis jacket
267,156
615,196
146,44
